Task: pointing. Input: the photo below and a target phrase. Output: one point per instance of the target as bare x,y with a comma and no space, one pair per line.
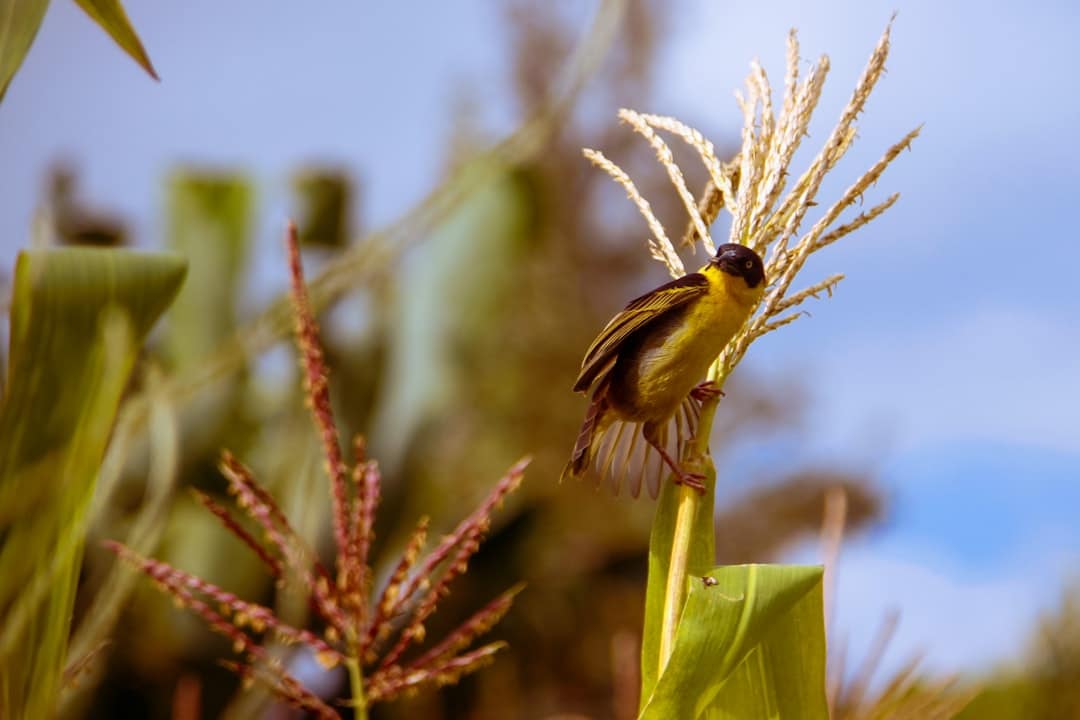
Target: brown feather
636,315
579,460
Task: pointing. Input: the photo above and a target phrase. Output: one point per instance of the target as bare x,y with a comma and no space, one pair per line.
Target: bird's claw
693,480
707,390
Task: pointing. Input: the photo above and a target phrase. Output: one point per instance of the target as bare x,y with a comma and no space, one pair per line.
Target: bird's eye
749,264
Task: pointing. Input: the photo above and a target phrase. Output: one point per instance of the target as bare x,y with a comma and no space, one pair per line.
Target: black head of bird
740,261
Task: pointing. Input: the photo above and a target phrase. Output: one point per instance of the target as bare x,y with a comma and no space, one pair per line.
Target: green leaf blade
113,19
77,320
19,23
750,644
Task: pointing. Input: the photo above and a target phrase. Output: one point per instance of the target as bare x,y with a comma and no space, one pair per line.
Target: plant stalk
697,456
356,685
675,589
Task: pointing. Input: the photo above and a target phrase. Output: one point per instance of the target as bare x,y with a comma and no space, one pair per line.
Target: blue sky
950,350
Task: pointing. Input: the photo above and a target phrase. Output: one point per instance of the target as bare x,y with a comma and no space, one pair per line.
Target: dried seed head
765,217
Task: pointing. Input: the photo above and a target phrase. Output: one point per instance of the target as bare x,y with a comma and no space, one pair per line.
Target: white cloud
955,622
950,79
995,374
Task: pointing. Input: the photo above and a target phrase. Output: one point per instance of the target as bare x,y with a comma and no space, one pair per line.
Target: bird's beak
723,262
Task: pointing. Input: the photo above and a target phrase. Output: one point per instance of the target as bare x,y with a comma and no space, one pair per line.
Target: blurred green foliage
1046,684
324,215
78,317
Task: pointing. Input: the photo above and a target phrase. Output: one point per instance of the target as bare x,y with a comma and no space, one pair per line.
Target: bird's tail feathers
613,453
581,457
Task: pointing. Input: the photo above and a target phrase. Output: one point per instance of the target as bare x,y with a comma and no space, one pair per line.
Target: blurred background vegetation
453,336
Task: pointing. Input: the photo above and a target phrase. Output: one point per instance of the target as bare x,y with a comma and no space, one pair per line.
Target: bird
646,366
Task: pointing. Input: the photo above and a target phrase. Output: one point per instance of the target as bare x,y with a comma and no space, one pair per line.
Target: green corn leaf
19,23
143,536
750,644
324,215
78,316
112,18
209,221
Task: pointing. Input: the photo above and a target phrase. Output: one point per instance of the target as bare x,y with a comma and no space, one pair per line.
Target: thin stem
697,452
675,590
353,663
356,685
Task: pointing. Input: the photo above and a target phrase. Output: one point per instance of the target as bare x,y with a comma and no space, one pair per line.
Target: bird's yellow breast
674,356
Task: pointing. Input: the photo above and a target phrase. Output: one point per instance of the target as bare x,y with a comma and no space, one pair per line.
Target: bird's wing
634,316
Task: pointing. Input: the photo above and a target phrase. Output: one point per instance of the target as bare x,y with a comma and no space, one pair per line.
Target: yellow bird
646,364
